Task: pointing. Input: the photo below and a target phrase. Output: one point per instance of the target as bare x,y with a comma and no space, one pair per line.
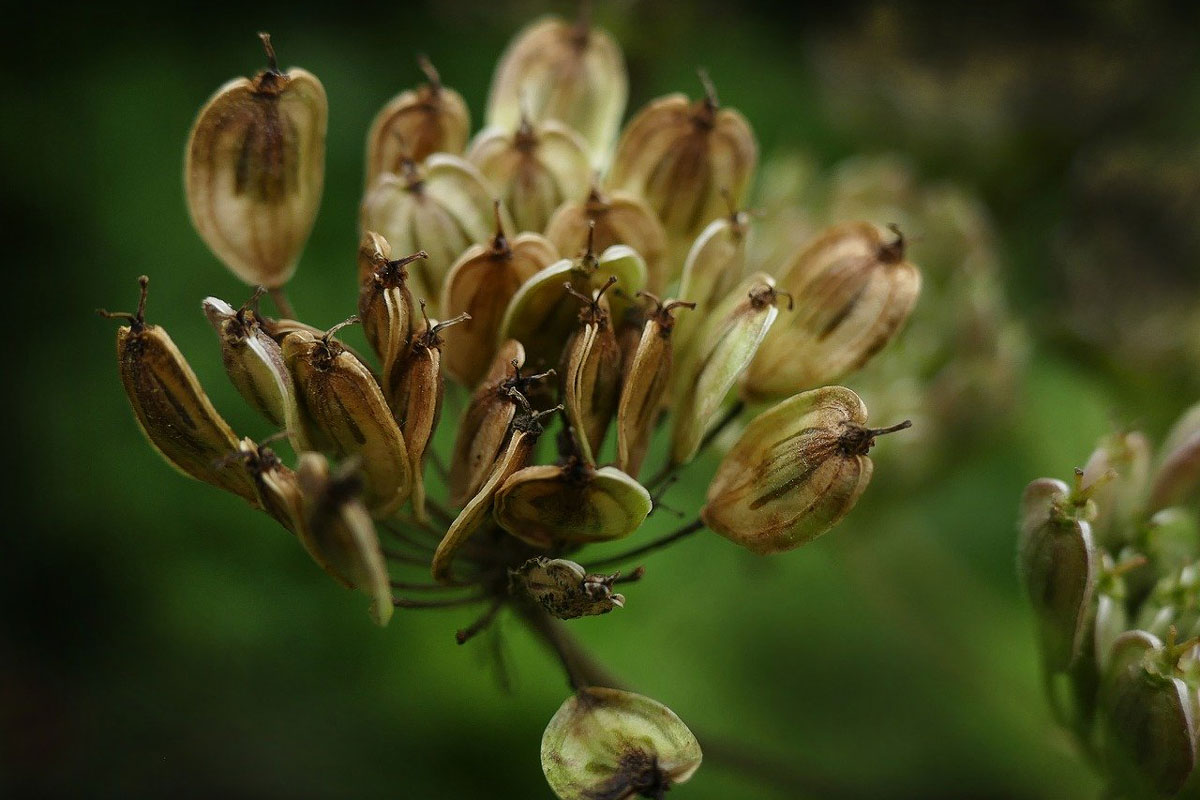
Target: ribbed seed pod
338,531
574,503
644,385
1177,479
481,283
565,589
726,346
555,70
607,744
255,168
343,411
591,373
796,471
442,207
535,168
681,157
278,488
714,265
415,396
619,218
853,291
417,123
170,404
385,304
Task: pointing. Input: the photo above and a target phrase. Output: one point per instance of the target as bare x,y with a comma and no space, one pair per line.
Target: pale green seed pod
1177,479
1172,539
591,373
255,168
534,168
565,589
555,70
442,207
482,283
714,265
417,123
617,218
853,291
607,743
1119,472
339,534
171,407
574,503
727,345
1173,602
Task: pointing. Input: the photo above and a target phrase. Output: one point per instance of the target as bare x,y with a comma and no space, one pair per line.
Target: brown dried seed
591,372
565,589
385,304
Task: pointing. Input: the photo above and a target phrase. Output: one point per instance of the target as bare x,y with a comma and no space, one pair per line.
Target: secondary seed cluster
526,265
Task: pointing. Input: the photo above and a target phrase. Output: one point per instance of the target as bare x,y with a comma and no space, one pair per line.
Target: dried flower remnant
565,589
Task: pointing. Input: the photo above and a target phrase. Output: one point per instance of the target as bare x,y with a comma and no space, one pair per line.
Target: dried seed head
482,283
853,291
170,404
545,505
556,70
591,372
385,304
1177,479
255,168
416,124
606,743
535,168
565,589
796,471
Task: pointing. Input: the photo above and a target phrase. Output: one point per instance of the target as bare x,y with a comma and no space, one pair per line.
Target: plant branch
669,539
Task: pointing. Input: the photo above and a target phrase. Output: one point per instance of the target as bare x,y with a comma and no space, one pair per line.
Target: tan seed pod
253,360
385,304
170,405
417,123
535,168
796,471
481,283
278,489
645,385
853,291
725,349
591,373
255,168
343,411
555,70
619,218
714,265
565,589
338,531
681,156
574,503
442,206
612,744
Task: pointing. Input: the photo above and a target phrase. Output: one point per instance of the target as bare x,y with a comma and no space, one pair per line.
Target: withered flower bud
591,372
853,291
535,168
255,168
482,283
417,123
615,745
170,404
714,265
565,589
555,70
1177,479
796,471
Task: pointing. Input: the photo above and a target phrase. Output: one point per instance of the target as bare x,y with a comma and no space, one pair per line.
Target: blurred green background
159,638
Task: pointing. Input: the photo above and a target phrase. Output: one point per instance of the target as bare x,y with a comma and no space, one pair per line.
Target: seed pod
342,410
280,329
278,488
554,70
853,293
606,743
542,318
1119,471
574,503
253,360
565,589
442,207
591,373
526,428
680,157
645,385
255,168
715,265
481,283
415,396
618,218
385,304
796,471
1177,479
170,404
1173,602
727,345
416,124
338,531
535,168
1172,539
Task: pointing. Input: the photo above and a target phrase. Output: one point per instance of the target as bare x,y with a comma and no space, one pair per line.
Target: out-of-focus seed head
255,168
612,745
591,372
1119,472
417,123
1173,602
565,589
1176,481
796,471
1172,539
